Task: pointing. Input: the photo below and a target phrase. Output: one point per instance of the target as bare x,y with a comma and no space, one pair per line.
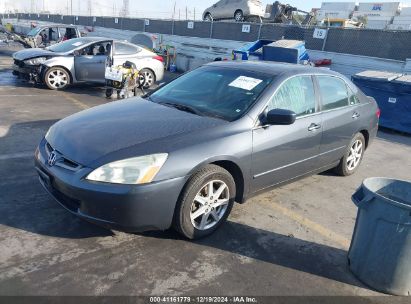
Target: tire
208,18
57,78
149,78
239,16
196,215
109,93
353,156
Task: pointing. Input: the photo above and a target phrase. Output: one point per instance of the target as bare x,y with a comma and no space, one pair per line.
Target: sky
141,8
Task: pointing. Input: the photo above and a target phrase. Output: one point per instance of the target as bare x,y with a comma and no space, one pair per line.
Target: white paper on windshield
245,83
78,43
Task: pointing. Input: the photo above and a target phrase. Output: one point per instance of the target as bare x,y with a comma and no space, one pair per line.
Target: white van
238,10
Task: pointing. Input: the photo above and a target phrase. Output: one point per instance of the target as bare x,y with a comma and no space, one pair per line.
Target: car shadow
277,249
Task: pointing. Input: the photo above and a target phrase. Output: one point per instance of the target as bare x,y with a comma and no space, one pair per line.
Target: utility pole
174,11
186,14
89,7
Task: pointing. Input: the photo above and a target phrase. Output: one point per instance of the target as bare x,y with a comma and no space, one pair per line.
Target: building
403,21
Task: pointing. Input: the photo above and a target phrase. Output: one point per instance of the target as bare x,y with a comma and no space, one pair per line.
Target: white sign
76,18
245,83
38,15
392,100
62,17
319,33
115,20
147,22
246,28
94,19
190,25
48,16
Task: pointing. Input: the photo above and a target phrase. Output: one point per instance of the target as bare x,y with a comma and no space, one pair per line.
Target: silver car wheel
238,16
210,205
58,79
149,78
208,18
355,155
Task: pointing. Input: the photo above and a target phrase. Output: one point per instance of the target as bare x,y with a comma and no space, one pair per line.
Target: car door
90,62
340,117
220,9
283,152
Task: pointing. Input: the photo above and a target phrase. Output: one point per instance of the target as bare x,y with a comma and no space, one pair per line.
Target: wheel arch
231,165
366,135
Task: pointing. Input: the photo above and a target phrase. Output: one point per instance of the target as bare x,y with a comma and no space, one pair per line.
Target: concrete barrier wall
377,43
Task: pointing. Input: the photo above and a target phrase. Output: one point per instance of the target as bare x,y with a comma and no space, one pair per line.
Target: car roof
57,25
272,68
89,39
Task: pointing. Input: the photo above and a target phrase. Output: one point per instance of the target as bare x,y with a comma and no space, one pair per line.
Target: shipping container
338,6
379,7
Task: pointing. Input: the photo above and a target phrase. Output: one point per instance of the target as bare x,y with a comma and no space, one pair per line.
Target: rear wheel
208,17
205,202
352,158
147,78
109,92
239,16
57,78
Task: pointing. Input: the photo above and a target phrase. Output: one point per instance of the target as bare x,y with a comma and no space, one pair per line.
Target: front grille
62,161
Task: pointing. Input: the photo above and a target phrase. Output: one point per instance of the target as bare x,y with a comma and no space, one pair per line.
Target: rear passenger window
296,94
125,49
334,92
353,97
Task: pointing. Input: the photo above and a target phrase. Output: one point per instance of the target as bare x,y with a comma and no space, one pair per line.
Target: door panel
281,153
90,68
340,118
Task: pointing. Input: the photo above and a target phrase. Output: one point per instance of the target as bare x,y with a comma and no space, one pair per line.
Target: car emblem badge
52,159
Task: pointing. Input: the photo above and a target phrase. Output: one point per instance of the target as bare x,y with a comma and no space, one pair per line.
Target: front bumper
123,207
30,72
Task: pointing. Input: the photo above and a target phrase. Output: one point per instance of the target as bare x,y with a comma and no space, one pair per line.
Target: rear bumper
124,207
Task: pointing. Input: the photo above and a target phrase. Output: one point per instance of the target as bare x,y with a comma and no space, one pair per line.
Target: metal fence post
172,28
325,40
259,31
211,29
144,25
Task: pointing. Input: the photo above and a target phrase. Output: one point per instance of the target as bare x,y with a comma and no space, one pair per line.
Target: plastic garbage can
380,251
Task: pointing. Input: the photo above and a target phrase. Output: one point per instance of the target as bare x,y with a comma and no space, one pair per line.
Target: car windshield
33,32
214,91
67,46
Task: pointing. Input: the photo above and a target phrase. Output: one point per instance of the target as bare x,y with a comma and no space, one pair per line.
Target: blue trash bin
392,91
380,251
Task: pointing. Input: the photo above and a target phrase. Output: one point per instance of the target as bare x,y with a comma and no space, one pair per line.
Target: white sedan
84,60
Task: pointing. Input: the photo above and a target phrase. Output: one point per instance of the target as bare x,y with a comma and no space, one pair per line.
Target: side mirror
280,117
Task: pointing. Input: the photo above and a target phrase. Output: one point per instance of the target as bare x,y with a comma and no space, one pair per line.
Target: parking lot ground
289,241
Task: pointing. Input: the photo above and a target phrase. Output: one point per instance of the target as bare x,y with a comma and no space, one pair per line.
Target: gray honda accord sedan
183,154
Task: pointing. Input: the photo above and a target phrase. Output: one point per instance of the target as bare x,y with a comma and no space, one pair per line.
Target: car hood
32,53
123,129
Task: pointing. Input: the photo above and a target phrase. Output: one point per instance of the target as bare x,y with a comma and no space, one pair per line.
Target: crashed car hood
32,53
119,126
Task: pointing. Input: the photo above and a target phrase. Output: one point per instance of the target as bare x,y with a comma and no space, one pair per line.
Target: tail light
159,58
378,113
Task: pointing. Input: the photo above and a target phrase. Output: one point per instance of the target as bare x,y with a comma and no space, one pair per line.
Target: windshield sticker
77,43
245,83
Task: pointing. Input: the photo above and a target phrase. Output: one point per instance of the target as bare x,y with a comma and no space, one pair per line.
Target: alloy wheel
355,155
238,16
148,79
58,79
210,205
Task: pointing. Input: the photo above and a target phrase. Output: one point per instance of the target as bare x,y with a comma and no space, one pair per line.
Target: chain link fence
366,42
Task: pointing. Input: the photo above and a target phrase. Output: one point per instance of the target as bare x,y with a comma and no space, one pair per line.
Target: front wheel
205,202
109,92
353,156
57,78
208,18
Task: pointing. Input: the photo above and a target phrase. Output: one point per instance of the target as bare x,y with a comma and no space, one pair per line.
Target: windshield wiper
182,107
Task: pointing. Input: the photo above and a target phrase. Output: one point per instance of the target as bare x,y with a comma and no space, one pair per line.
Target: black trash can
380,251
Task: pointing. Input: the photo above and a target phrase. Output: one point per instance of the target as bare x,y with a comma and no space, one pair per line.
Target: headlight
132,171
35,61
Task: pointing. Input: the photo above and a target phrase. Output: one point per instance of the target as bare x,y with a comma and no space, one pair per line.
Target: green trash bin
380,251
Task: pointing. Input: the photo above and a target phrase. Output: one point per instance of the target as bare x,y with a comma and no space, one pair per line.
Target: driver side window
296,94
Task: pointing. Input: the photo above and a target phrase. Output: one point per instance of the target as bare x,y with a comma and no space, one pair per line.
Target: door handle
356,115
314,127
